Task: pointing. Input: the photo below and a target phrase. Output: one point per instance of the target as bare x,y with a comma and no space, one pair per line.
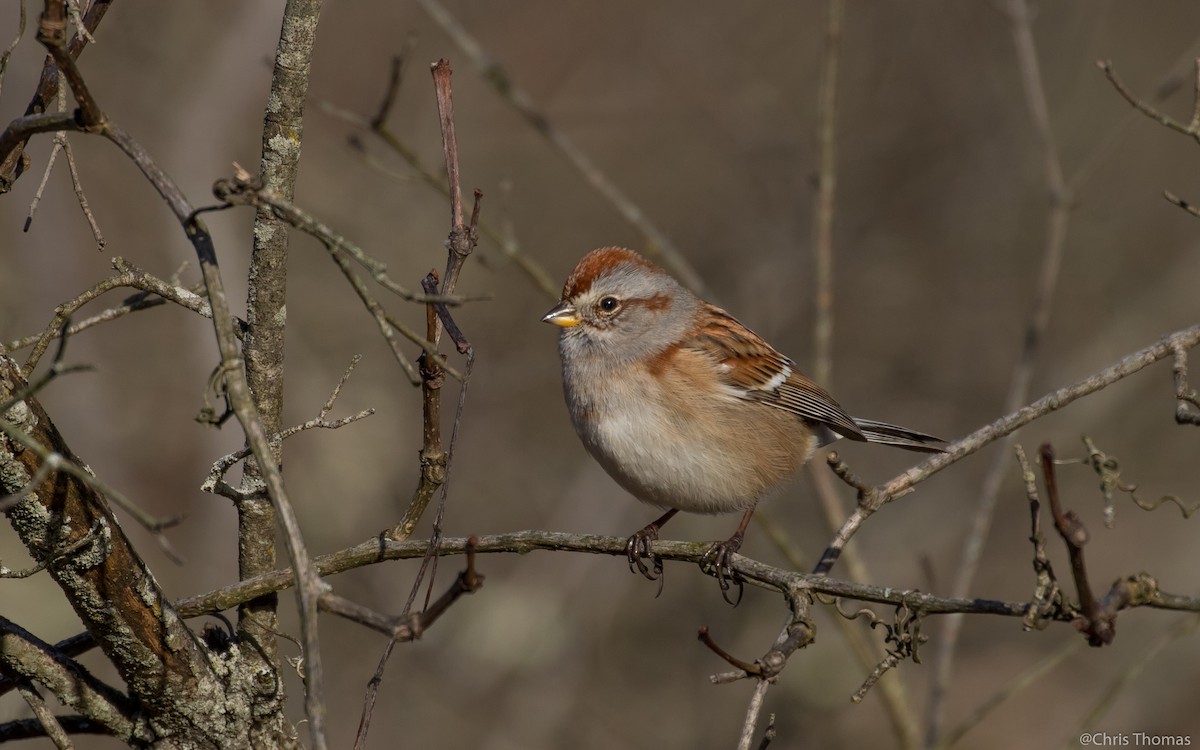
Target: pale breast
713,453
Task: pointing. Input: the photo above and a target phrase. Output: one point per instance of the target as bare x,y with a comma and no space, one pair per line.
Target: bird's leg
637,549
717,561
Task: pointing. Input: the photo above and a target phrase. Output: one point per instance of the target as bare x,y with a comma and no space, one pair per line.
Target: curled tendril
902,637
1108,468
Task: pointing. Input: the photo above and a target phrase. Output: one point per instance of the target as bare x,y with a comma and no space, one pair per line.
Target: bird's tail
902,437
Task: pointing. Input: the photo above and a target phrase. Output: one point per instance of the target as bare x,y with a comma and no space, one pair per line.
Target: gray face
629,313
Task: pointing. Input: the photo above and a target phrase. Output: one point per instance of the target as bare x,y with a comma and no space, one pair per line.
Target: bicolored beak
563,315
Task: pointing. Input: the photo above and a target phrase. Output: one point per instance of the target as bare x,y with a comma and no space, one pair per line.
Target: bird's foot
718,563
637,550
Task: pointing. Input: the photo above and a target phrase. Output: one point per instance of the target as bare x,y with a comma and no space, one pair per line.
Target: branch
232,371
102,576
379,549
23,653
872,499
408,628
1191,129
377,125
244,190
1058,215
261,405
435,462
1099,625
28,729
13,160
128,275
658,242
215,481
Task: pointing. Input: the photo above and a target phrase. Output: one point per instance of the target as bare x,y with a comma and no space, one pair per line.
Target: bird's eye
609,304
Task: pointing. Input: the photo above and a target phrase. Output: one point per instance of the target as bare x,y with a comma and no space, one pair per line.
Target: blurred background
705,116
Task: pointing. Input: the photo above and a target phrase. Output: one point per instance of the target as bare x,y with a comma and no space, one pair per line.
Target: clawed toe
637,550
718,562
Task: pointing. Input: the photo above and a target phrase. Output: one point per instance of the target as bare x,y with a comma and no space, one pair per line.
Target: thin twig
13,159
1161,118
410,627
736,663
460,243
753,709
45,717
658,242
7,54
1179,630
23,654
823,209
243,189
1057,219
214,482
1098,624
1014,686
532,269
374,550
128,275
1047,599
1186,338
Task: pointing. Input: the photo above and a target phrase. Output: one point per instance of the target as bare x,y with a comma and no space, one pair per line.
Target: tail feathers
902,437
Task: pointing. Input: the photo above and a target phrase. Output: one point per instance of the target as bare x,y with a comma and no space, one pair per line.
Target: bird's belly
676,458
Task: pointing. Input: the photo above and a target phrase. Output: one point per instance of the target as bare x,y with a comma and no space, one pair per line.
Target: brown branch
1185,338
378,549
460,243
26,657
52,27
432,457
435,461
105,580
1161,118
533,270
45,717
13,160
28,729
128,275
823,209
445,104
263,352
215,482
410,627
1058,215
658,242
1047,600
1099,623
242,189
736,663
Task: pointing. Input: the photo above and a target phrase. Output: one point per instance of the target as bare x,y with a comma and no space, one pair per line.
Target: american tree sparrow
684,406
